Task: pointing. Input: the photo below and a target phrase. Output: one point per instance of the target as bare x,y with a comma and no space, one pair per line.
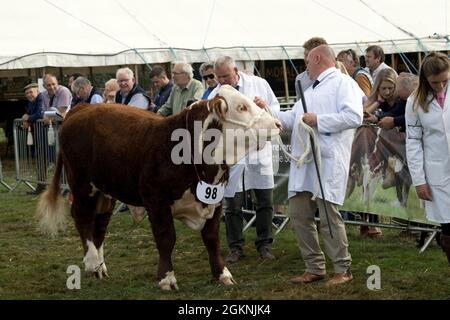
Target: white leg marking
90,260
169,282
102,272
226,278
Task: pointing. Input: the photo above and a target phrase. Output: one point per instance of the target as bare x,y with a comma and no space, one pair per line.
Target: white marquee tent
80,33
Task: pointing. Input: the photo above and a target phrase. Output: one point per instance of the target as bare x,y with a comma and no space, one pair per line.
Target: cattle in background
376,154
9,111
118,152
363,171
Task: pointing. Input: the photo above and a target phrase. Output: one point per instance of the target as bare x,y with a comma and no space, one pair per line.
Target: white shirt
375,72
257,175
337,102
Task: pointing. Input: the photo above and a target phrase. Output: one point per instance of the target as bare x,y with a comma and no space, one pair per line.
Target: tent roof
104,32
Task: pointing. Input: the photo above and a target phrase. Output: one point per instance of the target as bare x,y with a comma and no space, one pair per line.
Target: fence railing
36,150
2,182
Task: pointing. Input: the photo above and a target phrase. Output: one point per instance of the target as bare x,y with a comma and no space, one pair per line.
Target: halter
245,125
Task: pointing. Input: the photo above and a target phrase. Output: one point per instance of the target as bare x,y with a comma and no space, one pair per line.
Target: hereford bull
117,152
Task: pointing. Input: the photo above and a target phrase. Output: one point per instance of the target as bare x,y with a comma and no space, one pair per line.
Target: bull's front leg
163,230
210,236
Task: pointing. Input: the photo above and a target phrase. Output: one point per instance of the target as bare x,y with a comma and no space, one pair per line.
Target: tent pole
394,62
136,74
91,74
286,85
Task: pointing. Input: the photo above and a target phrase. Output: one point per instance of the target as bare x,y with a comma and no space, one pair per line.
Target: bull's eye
242,108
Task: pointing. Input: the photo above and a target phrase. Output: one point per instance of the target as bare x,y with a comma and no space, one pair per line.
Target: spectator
375,61
161,82
185,88
383,96
333,120
130,92
85,92
257,176
34,107
34,112
341,67
72,78
55,97
406,84
351,62
303,77
109,93
382,100
207,73
428,141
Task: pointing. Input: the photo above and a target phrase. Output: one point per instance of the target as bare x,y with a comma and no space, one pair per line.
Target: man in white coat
334,105
256,169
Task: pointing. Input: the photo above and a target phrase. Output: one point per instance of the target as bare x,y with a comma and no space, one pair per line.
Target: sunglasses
209,76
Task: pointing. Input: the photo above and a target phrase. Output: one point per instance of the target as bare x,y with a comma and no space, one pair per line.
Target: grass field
33,266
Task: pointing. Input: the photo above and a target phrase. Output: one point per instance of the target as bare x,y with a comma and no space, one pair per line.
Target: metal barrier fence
36,150
2,182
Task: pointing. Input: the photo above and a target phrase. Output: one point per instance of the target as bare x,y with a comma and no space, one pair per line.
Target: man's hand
310,119
47,121
424,192
386,123
260,102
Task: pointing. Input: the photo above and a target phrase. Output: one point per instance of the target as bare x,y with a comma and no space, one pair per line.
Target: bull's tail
51,209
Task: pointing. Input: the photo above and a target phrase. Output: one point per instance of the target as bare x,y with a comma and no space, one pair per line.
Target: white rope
306,156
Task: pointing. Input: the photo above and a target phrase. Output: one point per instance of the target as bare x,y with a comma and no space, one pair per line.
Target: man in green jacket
185,88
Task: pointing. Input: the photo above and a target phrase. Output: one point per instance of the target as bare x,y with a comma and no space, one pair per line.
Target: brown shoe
234,256
308,277
340,278
374,232
265,253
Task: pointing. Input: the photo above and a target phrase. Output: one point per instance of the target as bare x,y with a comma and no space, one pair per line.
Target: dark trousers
445,229
264,215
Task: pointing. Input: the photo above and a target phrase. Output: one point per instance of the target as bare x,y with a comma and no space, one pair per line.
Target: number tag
210,194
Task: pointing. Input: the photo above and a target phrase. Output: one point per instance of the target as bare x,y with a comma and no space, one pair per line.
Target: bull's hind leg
163,230
210,236
104,209
83,212
91,227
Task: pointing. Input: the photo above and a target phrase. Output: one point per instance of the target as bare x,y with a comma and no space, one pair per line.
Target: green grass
33,266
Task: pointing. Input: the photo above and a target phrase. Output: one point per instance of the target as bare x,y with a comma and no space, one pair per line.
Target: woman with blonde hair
109,94
382,97
428,141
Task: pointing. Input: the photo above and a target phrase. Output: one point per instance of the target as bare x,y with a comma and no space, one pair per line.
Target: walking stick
313,147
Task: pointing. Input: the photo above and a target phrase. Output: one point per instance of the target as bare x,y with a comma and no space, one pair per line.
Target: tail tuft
51,213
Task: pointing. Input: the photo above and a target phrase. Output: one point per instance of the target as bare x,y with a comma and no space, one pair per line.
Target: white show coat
337,102
258,164
428,154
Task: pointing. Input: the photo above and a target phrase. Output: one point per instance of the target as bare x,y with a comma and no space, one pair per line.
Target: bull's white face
246,127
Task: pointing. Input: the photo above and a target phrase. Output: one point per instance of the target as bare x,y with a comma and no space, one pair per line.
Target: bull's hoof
226,278
169,283
99,272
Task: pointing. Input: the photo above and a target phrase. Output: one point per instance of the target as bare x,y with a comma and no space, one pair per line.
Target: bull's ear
190,102
218,106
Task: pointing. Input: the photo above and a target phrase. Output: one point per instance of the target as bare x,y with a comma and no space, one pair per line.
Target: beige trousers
302,210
